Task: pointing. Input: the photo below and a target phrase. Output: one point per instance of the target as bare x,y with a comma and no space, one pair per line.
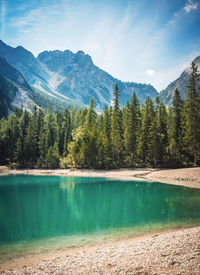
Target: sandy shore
176,252
189,177
171,253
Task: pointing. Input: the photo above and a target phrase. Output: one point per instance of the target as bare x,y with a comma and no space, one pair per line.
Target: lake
53,211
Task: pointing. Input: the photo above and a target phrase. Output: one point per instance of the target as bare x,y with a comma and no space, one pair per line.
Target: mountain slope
14,89
11,73
180,83
78,78
15,92
25,62
71,77
7,93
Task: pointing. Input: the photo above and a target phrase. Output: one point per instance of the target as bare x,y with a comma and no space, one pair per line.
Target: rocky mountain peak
83,59
71,76
197,61
24,54
80,53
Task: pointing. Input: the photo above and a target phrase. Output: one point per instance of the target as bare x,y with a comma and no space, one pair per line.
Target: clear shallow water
39,209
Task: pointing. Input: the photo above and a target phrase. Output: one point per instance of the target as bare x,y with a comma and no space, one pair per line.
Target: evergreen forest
148,134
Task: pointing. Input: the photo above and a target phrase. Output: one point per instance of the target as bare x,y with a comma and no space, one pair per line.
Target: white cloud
3,14
150,72
191,6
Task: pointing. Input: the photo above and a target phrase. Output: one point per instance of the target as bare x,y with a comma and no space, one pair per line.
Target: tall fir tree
135,126
116,129
106,147
127,133
67,129
176,132
193,114
147,141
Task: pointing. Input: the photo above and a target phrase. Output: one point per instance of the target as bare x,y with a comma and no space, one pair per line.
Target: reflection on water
34,208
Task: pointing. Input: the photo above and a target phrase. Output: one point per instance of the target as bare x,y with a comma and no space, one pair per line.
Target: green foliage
139,135
131,130
116,129
49,103
52,158
192,111
148,133
176,128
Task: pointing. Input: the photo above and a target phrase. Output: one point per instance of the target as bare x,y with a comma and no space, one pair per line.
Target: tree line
138,135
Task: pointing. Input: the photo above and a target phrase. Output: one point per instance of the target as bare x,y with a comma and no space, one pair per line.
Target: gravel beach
171,253
176,252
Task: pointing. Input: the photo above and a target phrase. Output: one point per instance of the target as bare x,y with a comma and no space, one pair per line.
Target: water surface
70,209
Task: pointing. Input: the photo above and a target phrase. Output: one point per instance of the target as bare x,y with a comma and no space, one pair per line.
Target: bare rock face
72,75
14,89
180,83
81,79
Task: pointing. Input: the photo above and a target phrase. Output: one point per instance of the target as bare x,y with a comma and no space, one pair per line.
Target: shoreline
189,177
32,258
168,251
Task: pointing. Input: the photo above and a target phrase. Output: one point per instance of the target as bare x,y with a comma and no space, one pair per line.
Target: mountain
11,73
15,92
76,76
180,83
25,62
14,89
71,77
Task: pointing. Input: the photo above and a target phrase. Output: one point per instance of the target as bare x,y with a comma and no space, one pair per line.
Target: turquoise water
36,208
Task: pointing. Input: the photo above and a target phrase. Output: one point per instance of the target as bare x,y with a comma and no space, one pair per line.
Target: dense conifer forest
139,135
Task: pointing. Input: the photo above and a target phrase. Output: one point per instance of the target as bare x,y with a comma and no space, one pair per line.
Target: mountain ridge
14,89
73,76
180,83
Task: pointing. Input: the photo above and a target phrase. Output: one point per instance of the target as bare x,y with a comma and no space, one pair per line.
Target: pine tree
52,158
88,150
18,154
176,133
116,129
147,138
91,116
12,136
135,126
193,114
30,143
104,140
50,131
127,133
67,131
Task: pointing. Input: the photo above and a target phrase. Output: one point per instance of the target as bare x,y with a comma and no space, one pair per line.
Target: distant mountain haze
64,77
180,83
71,76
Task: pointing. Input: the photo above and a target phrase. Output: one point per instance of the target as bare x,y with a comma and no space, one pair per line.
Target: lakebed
171,251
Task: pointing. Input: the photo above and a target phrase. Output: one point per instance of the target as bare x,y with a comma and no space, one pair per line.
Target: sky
146,41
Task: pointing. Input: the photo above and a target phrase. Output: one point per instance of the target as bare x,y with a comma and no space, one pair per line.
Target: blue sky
148,41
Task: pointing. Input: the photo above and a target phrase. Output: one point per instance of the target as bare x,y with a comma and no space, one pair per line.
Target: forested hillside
135,136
